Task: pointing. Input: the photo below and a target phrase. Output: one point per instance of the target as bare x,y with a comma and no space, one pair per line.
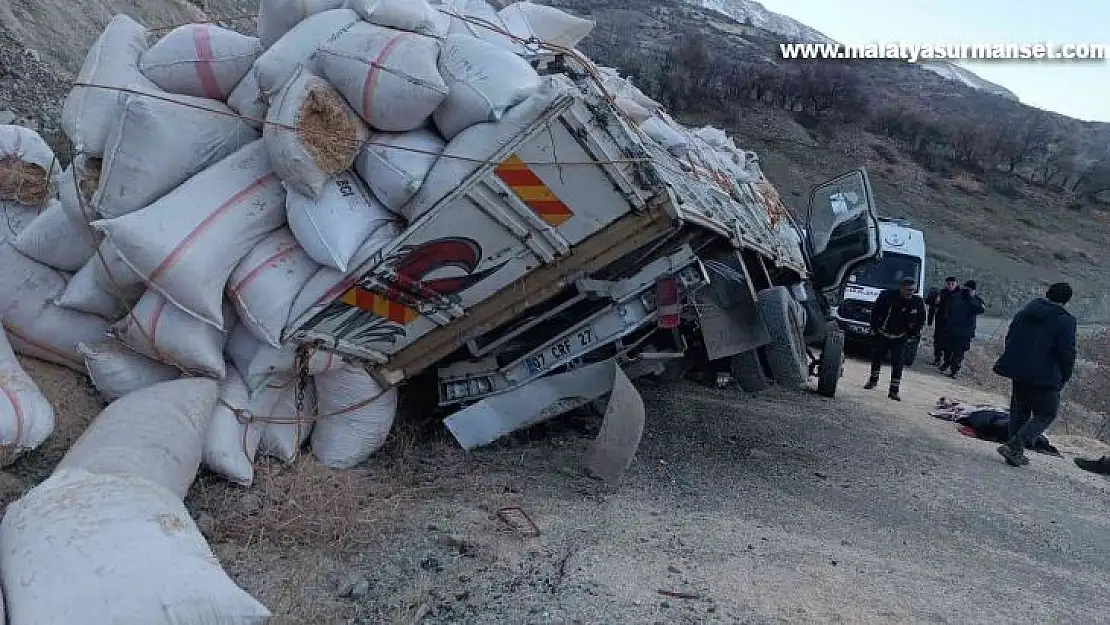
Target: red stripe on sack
33,343
375,71
269,262
183,247
202,39
13,399
155,317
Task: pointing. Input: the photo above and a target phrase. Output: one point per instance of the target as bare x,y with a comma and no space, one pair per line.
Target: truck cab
903,255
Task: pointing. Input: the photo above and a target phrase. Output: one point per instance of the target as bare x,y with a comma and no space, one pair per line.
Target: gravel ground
775,508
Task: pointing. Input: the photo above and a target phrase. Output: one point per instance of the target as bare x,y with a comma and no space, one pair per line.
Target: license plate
575,344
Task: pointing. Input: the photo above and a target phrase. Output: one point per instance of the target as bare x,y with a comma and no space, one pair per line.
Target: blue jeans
1032,410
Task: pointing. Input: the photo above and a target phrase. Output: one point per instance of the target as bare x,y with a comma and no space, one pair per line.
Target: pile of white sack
107,539
226,186
223,185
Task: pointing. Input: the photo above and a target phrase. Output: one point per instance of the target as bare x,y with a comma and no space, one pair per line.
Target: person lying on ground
1039,358
1100,466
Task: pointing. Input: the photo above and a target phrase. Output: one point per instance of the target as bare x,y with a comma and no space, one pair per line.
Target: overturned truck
578,253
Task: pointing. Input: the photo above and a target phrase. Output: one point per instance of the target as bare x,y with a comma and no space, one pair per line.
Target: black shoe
893,395
943,368
951,374
871,384
937,363
1014,457
1100,466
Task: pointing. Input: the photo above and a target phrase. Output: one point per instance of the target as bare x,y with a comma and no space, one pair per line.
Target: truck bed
569,194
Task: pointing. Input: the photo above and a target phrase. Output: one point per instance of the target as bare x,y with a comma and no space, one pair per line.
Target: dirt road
782,508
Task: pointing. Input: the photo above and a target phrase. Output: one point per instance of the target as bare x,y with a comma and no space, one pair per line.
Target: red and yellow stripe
378,305
532,191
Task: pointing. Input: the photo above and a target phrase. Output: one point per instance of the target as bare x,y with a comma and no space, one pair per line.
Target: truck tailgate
570,174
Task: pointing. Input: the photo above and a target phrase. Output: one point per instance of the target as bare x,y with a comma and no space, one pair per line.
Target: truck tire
747,370
785,321
832,360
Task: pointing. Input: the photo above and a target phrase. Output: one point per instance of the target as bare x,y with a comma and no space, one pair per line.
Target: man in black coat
897,317
938,317
1039,358
959,326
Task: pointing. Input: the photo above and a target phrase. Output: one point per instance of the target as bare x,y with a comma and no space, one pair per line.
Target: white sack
36,327
277,17
186,244
54,239
231,444
156,145
23,145
117,370
14,218
477,143
480,20
355,416
394,165
156,433
330,283
157,329
85,548
201,60
666,135
104,286
26,416
484,80
548,24
112,61
389,77
284,431
291,152
77,185
266,281
621,88
331,227
297,48
247,100
256,362
633,109
415,16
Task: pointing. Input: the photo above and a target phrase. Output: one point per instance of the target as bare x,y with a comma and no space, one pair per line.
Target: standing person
963,308
938,314
897,317
1039,359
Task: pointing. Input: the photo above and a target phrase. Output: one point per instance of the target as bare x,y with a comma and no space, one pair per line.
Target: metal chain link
301,367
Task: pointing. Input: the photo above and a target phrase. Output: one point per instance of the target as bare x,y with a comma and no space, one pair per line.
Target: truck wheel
747,370
832,360
785,321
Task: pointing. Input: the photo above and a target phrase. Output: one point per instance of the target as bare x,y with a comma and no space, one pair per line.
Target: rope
344,142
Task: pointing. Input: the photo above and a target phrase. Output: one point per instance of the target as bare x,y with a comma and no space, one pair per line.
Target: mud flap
548,397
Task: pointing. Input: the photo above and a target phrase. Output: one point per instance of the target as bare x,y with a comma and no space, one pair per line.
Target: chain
301,368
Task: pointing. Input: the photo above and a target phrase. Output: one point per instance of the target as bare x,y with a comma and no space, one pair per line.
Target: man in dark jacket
959,326
1039,359
938,316
897,317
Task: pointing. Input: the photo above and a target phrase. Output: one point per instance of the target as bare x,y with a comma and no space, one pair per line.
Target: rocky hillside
43,43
